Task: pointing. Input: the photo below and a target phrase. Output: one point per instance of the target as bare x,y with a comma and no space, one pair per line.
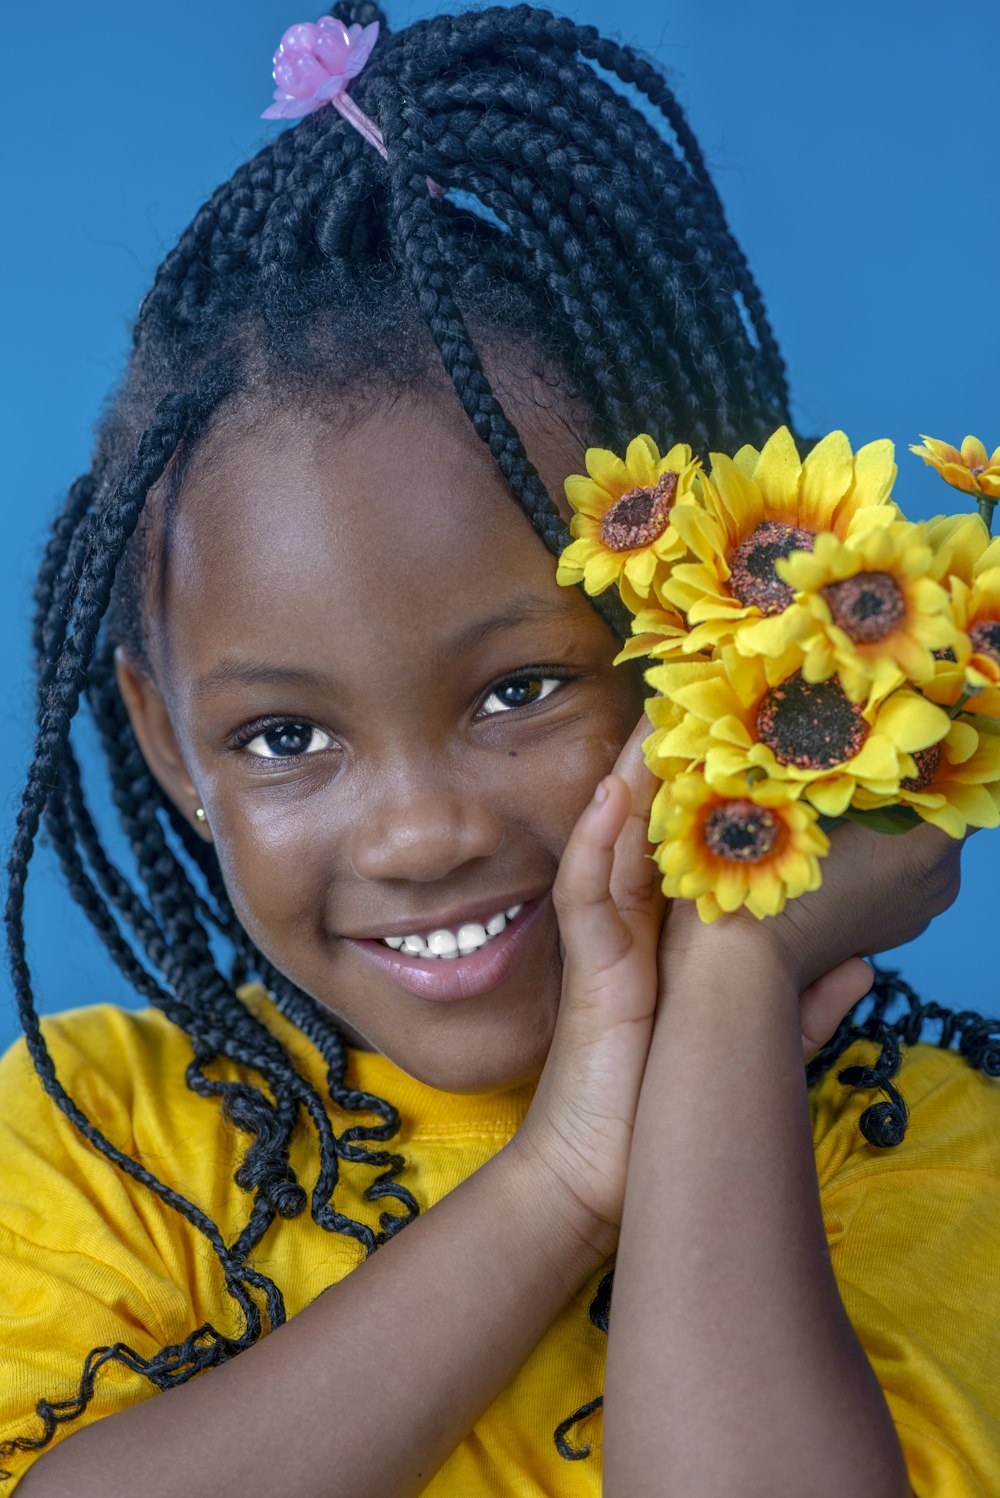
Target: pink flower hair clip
313,65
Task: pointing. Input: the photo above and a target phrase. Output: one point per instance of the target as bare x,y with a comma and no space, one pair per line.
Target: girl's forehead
295,526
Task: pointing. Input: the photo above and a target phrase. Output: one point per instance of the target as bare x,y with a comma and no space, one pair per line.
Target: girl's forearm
732,1364
370,1388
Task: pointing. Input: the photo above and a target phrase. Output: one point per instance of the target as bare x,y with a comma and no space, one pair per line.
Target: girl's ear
155,734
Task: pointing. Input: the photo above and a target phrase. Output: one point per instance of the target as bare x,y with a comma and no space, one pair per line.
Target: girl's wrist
736,954
578,1236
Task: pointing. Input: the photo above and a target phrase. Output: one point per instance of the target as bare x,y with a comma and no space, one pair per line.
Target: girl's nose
423,834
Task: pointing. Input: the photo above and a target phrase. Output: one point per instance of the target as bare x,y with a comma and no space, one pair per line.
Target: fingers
633,882
593,933
825,1002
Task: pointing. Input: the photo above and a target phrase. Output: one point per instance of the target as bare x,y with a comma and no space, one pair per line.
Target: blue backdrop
856,155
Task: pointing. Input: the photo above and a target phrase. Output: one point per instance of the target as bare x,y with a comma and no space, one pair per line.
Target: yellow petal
641,459
911,722
974,453
586,497
601,570
731,888
831,798
827,476
639,569
976,805
709,909
747,459
946,817
778,472
963,741
608,470
737,504
877,760
700,531
767,892
874,472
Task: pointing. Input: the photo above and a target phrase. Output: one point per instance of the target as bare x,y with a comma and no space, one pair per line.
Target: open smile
457,962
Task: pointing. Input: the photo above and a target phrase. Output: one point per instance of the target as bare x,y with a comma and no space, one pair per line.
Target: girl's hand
879,890
610,909
610,912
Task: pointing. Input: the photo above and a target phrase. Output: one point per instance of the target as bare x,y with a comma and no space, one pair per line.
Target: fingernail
601,794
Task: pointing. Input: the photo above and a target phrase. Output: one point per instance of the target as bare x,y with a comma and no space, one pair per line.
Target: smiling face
392,716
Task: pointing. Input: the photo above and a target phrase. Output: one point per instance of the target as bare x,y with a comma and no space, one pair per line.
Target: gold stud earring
200,814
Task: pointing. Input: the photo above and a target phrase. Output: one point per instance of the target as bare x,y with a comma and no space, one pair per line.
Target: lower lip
443,979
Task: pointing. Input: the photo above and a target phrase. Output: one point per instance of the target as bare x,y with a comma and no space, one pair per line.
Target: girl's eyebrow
233,671
521,608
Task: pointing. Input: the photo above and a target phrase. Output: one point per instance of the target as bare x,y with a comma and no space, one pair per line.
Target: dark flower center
741,831
811,725
867,606
985,637
752,578
927,761
947,654
640,515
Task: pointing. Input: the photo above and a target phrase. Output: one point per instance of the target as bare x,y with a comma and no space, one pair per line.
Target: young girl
358,737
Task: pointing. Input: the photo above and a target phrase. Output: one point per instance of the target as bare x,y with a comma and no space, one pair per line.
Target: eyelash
245,736
549,677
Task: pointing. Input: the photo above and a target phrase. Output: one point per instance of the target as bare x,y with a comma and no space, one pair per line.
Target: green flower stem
986,505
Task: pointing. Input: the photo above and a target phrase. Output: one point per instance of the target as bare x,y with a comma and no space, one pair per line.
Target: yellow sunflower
729,844
758,507
736,722
868,609
623,518
968,468
971,667
955,784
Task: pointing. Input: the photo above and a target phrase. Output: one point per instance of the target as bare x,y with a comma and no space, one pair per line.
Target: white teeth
447,944
470,937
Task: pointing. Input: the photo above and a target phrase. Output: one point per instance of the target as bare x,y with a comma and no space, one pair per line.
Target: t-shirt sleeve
914,1235
85,1262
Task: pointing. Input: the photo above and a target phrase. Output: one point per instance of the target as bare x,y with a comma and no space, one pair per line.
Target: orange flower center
812,725
640,516
741,831
867,606
752,578
985,637
927,761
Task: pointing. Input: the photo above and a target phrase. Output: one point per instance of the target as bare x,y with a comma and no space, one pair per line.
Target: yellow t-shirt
88,1258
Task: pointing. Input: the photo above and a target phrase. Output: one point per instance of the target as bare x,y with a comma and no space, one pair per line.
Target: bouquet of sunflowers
815,655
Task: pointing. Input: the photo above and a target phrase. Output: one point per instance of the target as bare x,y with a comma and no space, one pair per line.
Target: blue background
855,148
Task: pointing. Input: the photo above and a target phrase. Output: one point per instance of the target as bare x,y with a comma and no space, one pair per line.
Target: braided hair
572,224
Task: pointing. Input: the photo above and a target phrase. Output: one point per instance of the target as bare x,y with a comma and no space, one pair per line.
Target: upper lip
478,911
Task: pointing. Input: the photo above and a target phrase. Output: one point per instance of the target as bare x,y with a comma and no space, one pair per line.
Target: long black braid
574,227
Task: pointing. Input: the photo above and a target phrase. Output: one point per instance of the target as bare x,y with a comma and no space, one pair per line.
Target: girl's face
392,716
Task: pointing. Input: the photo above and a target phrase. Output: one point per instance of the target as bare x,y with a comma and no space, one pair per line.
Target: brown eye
520,691
288,741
